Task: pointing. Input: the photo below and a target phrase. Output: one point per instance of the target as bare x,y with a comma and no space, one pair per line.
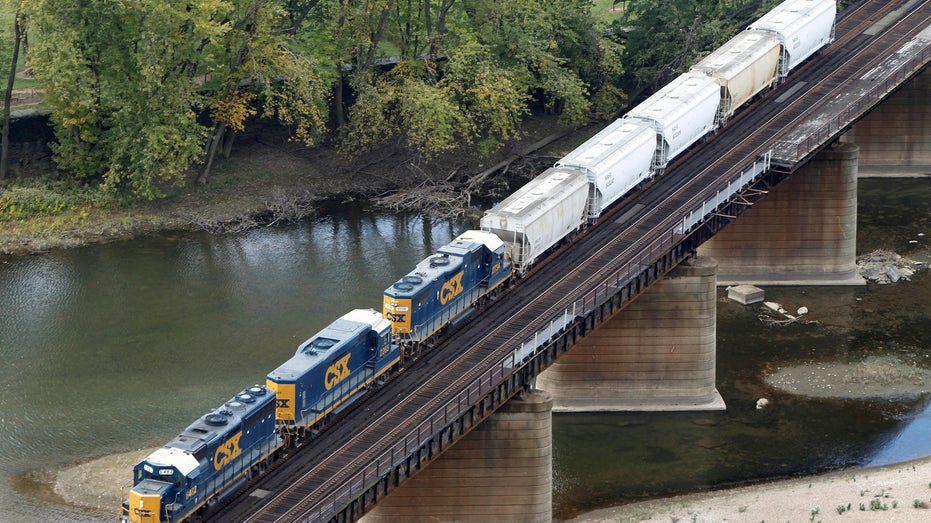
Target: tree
128,83
120,80
668,37
259,64
466,71
8,95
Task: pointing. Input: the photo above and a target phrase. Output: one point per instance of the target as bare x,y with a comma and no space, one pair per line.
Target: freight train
218,454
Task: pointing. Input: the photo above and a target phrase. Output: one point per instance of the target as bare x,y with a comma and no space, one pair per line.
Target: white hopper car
743,67
682,113
551,207
540,214
615,161
802,26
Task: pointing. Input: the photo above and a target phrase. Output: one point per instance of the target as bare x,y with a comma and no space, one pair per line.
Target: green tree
465,71
667,37
119,78
256,59
128,81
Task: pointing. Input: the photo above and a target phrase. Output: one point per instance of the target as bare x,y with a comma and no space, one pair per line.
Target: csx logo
281,404
142,512
452,288
394,317
227,452
337,372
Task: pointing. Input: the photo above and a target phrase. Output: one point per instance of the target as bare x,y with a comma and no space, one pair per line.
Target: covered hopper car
803,27
743,67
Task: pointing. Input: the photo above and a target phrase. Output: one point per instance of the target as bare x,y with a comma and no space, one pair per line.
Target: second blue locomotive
443,288
328,370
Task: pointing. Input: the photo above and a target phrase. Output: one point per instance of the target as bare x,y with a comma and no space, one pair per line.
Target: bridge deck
860,88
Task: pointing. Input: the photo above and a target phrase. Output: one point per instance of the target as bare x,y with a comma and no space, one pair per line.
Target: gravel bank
895,493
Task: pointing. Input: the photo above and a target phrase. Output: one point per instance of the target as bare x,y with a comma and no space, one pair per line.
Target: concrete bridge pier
803,233
501,471
658,353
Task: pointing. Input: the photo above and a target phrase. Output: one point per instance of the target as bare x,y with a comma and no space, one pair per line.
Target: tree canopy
128,82
143,95
665,38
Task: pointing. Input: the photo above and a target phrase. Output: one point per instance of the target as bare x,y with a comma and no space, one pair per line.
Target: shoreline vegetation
270,179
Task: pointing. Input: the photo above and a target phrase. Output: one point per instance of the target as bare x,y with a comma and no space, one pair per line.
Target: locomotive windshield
158,473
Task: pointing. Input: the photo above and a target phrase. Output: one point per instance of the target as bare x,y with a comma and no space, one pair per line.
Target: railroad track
312,472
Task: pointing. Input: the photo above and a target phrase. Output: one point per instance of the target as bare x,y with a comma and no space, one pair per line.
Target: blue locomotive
323,376
217,454
445,286
212,457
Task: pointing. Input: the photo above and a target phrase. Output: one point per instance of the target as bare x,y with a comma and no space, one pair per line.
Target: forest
147,96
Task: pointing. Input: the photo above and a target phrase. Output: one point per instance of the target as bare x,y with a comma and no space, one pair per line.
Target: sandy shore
894,493
100,483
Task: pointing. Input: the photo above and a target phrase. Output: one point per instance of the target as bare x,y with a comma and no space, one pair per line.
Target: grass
607,12
7,15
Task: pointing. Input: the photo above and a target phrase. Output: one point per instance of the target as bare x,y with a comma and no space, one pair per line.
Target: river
116,347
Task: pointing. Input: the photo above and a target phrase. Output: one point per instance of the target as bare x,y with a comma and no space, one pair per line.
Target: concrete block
745,294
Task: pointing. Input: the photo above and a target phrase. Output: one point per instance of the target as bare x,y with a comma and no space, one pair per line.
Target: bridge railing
737,182
791,152
408,445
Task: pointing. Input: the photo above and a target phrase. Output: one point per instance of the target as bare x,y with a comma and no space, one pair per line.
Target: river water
116,347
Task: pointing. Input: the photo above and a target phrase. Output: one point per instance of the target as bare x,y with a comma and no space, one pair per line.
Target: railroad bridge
790,139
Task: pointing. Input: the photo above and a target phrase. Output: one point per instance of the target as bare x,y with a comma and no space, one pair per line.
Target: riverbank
270,179
265,175
895,493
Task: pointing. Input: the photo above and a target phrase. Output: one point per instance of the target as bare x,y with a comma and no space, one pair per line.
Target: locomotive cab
159,485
